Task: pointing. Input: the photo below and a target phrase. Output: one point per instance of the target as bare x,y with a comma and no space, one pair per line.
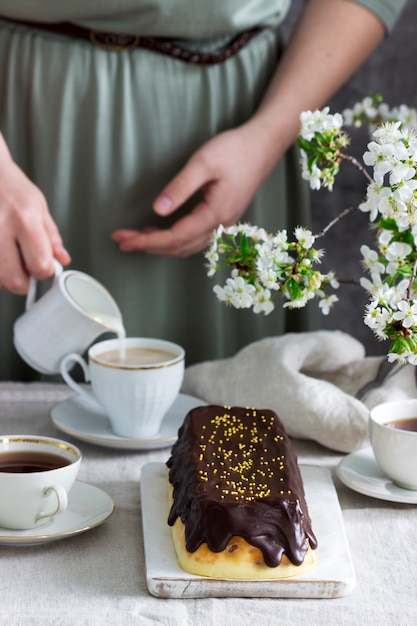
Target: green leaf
305,144
399,345
311,161
407,237
388,224
293,288
244,245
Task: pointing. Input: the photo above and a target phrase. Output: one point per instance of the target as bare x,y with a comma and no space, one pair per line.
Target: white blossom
263,302
407,313
313,122
374,194
212,257
411,358
366,108
304,236
332,279
327,302
377,318
312,174
268,277
406,115
371,261
397,250
403,358
388,133
370,286
297,303
236,292
395,357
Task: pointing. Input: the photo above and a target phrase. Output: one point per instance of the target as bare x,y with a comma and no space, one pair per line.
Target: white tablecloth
98,577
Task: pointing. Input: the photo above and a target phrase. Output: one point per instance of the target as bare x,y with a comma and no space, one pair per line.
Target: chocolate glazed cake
237,499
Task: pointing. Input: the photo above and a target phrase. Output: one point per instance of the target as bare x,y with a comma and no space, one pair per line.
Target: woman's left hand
228,171
330,42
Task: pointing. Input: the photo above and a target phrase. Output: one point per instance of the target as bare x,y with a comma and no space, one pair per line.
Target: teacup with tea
36,476
393,433
135,380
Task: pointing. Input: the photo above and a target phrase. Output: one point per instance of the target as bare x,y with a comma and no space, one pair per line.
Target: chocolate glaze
234,472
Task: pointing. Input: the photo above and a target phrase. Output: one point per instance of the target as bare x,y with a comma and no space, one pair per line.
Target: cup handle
66,364
62,501
31,295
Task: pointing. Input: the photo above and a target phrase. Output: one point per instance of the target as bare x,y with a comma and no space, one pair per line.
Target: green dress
102,132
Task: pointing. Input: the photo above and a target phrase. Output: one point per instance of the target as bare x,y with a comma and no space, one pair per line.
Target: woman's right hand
29,238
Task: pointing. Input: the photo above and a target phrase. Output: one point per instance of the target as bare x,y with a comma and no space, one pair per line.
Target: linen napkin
309,379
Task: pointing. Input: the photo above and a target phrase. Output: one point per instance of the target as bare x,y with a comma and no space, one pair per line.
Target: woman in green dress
121,161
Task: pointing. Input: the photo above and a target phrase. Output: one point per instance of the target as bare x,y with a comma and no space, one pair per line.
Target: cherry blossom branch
359,166
412,279
337,219
263,265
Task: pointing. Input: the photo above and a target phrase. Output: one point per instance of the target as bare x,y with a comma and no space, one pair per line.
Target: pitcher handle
31,295
66,364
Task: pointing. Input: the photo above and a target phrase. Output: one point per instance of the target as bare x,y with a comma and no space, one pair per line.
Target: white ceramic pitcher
67,318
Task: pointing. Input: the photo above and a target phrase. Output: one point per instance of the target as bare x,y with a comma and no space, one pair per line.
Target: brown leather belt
119,42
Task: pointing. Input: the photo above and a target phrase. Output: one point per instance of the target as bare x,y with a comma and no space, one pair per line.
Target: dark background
390,71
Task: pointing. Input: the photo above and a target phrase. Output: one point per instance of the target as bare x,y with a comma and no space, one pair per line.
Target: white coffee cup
135,394
394,447
67,318
30,492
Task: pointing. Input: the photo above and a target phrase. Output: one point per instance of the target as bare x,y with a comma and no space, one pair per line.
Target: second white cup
394,440
36,475
135,380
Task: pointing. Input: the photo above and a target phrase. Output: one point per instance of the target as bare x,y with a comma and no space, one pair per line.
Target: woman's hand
29,238
332,39
228,169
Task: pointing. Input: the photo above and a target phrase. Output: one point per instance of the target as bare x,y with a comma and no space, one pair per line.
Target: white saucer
88,507
360,472
86,420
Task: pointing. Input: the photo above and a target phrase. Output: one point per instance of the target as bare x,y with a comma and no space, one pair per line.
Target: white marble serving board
332,577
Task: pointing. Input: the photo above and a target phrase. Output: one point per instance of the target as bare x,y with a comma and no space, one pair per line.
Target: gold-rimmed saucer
86,420
88,507
359,471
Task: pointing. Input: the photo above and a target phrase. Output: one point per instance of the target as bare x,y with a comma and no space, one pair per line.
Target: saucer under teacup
359,471
86,420
88,507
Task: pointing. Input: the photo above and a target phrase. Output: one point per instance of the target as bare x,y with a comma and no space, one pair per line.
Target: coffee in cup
36,475
123,356
135,380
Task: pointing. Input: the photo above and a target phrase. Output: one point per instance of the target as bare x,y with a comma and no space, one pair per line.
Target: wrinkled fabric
200,19
309,379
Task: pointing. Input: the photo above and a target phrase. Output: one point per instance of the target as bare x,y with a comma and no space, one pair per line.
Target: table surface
98,577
